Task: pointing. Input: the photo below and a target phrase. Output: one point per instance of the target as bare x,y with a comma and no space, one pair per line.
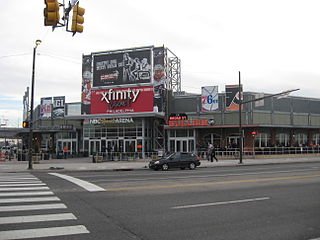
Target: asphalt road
245,202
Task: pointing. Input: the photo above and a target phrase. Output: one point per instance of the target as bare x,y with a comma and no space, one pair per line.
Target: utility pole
240,122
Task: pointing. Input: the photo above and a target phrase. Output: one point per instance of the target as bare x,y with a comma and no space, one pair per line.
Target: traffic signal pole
30,166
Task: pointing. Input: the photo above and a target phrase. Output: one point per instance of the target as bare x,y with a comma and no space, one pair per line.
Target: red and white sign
122,100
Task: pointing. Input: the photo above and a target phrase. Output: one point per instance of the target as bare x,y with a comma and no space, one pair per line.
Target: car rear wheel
165,167
192,166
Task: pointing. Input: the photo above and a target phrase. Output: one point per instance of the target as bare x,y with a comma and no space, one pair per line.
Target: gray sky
274,43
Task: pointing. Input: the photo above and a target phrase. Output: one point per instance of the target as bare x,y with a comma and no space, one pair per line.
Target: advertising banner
209,99
86,84
128,67
122,100
232,97
45,107
159,73
58,107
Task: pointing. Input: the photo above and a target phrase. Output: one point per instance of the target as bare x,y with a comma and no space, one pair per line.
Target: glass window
316,139
181,133
301,139
172,146
262,140
282,140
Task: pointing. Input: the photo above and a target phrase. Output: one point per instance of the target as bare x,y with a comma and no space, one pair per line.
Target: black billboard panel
131,67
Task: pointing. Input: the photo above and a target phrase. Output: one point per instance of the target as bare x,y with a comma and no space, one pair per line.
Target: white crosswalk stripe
30,199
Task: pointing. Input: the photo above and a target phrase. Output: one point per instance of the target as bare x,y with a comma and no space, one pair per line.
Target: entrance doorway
130,145
94,146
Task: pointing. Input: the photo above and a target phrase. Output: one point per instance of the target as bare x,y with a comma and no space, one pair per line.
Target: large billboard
45,107
122,100
232,97
209,99
126,67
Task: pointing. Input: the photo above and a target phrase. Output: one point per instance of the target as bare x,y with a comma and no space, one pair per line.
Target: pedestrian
213,154
65,152
209,152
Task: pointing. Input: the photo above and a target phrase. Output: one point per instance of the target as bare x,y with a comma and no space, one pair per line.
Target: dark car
176,160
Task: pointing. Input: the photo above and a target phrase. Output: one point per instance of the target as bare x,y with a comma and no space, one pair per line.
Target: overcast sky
274,43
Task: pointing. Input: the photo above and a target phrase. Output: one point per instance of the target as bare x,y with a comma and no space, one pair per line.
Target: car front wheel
192,166
165,167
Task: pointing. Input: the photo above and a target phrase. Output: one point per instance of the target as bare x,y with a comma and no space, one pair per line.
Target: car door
185,160
175,160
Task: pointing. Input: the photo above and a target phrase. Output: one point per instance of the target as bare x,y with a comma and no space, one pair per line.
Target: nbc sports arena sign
122,100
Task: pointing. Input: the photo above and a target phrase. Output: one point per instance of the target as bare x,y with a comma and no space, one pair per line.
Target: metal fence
228,153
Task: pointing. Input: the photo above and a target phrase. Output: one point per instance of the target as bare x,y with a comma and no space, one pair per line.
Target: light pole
240,122
38,42
241,103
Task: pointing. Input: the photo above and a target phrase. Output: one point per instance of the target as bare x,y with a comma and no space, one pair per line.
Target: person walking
213,154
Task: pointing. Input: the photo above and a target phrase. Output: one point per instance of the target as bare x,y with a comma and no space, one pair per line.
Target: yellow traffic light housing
51,13
25,124
77,19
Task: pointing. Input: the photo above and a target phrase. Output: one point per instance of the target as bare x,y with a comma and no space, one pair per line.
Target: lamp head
38,42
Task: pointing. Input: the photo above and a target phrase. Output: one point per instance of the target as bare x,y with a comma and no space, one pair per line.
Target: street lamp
241,103
38,42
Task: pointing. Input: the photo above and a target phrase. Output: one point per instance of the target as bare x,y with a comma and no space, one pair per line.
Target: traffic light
51,13
77,19
25,124
254,133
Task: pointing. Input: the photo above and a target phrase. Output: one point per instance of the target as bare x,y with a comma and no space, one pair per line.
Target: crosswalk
29,210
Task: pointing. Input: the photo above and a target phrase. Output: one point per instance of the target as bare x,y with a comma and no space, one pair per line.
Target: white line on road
22,189
22,200
18,178
21,184
84,184
37,218
32,207
18,194
43,232
18,182
221,203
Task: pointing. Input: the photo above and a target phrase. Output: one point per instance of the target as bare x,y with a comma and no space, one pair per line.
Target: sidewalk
85,164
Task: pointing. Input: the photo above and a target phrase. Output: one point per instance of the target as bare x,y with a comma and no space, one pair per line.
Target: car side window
184,156
176,156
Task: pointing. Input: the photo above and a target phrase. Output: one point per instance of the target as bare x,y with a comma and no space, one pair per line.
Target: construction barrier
36,159
3,156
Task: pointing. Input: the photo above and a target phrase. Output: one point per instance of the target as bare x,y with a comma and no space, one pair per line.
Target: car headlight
156,162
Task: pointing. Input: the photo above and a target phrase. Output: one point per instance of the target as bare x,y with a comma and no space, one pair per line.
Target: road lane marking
213,183
196,176
24,200
37,218
21,184
13,194
84,184
32,207
43,232
221,203
6,189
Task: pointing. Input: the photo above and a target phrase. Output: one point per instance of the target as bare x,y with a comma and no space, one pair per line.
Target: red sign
122,100
183,123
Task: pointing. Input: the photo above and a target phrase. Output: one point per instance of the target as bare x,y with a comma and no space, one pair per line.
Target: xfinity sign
115,95
122,100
